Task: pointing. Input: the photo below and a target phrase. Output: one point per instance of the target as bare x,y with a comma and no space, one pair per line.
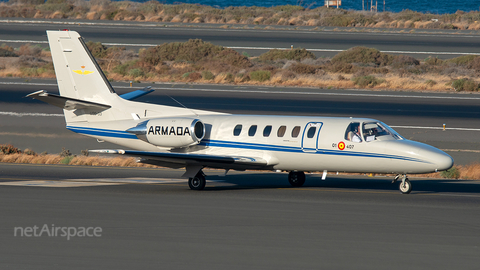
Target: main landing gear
405,186
296,179
197,182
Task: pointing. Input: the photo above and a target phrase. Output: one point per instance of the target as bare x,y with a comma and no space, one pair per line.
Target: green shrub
465,85
229,77
193,50
475,64
136,72
400,61
192,76
340,67
207,75
303,68
363,55
462,60
233,58
433,61
260,75
8,149
451,173
295,54
97,49
7,53
65,152
430,83
364,81
29,152
66,160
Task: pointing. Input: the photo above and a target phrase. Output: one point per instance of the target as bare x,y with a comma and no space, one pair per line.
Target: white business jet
179,137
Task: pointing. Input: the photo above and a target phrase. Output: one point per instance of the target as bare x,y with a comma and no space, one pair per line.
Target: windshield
379,131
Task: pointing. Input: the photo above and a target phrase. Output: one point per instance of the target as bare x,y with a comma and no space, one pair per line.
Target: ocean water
425,6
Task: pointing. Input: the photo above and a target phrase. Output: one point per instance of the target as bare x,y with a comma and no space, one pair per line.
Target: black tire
198,182
405,187
296,179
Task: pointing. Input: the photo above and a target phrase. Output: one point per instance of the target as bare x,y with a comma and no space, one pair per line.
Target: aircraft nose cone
443,161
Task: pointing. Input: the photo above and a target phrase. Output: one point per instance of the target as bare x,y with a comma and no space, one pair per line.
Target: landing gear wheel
405,186
296,179
197,182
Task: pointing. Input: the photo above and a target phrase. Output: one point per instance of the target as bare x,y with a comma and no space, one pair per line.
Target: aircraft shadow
271,181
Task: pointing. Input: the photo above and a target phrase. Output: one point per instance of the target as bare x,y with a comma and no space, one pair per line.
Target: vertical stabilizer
78,74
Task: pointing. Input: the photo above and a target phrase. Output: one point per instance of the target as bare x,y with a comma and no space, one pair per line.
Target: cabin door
310,137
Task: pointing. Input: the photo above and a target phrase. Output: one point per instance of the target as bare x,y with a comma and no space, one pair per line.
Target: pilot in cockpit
353,133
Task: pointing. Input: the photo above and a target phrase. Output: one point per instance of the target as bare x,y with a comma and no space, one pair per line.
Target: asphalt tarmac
253,40
240,221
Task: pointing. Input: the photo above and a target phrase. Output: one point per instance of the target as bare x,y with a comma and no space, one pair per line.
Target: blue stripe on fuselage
243,145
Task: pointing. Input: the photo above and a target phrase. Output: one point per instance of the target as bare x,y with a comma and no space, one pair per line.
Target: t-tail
86,95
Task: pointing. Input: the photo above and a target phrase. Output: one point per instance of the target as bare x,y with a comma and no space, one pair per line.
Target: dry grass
296,67
75,160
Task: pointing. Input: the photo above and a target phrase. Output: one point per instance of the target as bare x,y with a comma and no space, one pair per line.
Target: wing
178,160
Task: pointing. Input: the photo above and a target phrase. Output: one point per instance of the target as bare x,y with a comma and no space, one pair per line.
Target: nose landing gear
405,186
296,179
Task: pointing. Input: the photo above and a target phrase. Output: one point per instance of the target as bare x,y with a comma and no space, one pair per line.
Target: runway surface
32,124
254,40
240,221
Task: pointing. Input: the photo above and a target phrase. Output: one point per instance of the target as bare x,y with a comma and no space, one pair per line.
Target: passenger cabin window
281,131
267,130
237,130
252,130
311,132
379,131
353,132
295,131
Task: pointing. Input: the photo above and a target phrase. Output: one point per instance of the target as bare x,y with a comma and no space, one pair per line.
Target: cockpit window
379,131
353,132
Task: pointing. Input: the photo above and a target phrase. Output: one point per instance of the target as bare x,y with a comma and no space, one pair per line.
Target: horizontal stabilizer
187,158
136,94
66,102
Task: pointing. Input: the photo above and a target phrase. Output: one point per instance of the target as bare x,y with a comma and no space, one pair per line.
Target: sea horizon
432,7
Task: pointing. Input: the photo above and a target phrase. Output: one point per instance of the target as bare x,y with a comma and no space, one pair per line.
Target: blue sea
425,6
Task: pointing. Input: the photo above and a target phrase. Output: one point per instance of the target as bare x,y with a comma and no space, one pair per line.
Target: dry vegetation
11,154
154,11
203,62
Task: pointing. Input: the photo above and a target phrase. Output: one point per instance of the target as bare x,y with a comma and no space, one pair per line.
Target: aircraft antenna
182,104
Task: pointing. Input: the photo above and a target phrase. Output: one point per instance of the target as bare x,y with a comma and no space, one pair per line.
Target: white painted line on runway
437,128
95,182
313,93
236,90
22,41
63,184
336,50
248,48
31,114
132,180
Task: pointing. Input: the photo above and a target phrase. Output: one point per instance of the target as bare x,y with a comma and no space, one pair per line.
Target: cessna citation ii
194,139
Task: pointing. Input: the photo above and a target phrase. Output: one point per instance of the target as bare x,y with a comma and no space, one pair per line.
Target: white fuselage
327,148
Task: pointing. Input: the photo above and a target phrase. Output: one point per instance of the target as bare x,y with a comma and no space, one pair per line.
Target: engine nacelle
170,132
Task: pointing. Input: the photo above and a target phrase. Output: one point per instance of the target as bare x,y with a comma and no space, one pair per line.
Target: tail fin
86,95
76,69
